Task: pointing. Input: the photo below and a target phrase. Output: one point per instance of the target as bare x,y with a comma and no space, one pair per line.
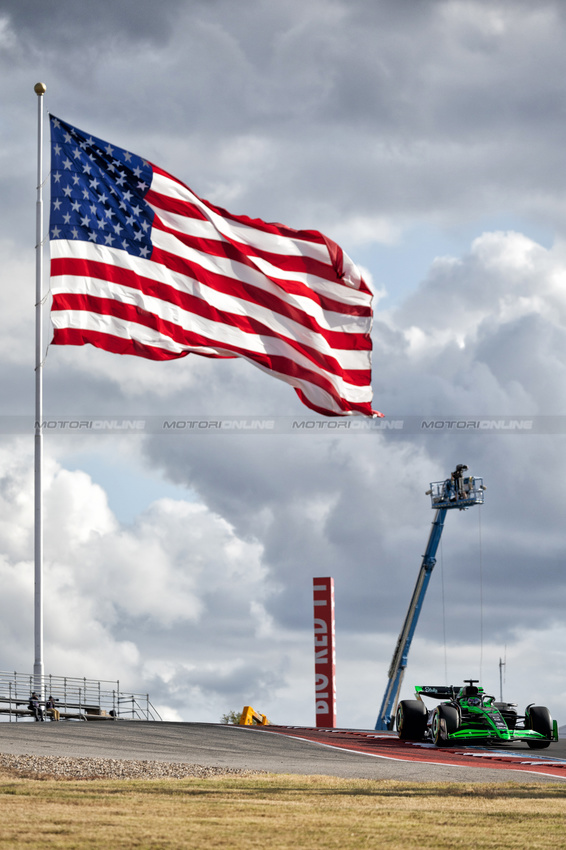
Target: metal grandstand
76,699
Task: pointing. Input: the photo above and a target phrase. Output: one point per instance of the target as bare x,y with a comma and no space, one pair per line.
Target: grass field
280,811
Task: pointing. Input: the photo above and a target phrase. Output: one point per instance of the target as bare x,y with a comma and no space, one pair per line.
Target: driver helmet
471,694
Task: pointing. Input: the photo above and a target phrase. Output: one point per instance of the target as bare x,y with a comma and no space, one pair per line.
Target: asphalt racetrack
294,750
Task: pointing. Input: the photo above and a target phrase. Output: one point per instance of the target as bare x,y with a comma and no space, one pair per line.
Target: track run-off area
387,745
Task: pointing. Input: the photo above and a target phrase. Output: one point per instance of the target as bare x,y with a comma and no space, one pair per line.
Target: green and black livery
470,716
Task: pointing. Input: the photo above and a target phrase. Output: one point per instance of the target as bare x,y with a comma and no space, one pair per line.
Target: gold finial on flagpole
39,89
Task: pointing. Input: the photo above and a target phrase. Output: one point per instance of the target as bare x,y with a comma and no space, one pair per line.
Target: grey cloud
529,352
68,25
365,110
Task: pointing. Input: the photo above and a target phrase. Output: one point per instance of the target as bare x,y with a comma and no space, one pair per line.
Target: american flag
141,265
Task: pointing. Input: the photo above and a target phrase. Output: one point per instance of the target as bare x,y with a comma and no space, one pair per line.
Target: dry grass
270,810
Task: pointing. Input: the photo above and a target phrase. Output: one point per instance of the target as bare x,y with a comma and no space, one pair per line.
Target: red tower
324,652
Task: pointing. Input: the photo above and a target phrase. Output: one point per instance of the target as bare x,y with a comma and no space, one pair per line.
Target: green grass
281,811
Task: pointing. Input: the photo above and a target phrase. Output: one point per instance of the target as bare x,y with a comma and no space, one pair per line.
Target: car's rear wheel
445,721
411,720
539,720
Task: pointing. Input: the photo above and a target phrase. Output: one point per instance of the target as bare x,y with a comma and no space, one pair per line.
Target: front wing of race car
487,725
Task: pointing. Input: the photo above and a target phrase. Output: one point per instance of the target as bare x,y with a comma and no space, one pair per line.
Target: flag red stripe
186,209
255,223
288,288
281,365
184,337
256,295
113,344
244,254
191,303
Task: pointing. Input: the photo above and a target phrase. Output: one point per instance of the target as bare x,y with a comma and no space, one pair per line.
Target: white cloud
17,283
357,230
165,569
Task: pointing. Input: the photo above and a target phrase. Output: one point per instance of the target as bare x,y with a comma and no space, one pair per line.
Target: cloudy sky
428,138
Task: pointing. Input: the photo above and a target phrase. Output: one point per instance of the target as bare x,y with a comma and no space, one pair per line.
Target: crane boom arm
460,492
399,661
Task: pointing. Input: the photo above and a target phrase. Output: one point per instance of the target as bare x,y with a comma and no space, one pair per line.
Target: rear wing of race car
439,691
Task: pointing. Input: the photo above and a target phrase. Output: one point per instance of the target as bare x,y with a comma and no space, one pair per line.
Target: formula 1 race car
471,716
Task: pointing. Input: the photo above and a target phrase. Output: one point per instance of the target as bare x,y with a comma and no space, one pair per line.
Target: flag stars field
76,153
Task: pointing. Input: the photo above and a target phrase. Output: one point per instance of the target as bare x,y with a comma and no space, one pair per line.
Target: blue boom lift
459,491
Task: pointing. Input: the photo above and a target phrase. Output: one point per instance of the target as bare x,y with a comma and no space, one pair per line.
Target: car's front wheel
411,720
445,721
539,720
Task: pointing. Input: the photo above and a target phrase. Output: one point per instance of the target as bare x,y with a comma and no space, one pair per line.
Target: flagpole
40,90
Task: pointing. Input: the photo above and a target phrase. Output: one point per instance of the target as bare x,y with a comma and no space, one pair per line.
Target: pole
40,90
501,666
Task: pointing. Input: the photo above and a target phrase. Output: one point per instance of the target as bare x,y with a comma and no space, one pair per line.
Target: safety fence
75,698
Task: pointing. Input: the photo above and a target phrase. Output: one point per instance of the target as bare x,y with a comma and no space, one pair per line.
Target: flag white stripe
232,269
204,230
114,326
238,231
328,320
347,358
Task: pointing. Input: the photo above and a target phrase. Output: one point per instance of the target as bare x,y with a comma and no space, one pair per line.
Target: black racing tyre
538,718
411,719
445,721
